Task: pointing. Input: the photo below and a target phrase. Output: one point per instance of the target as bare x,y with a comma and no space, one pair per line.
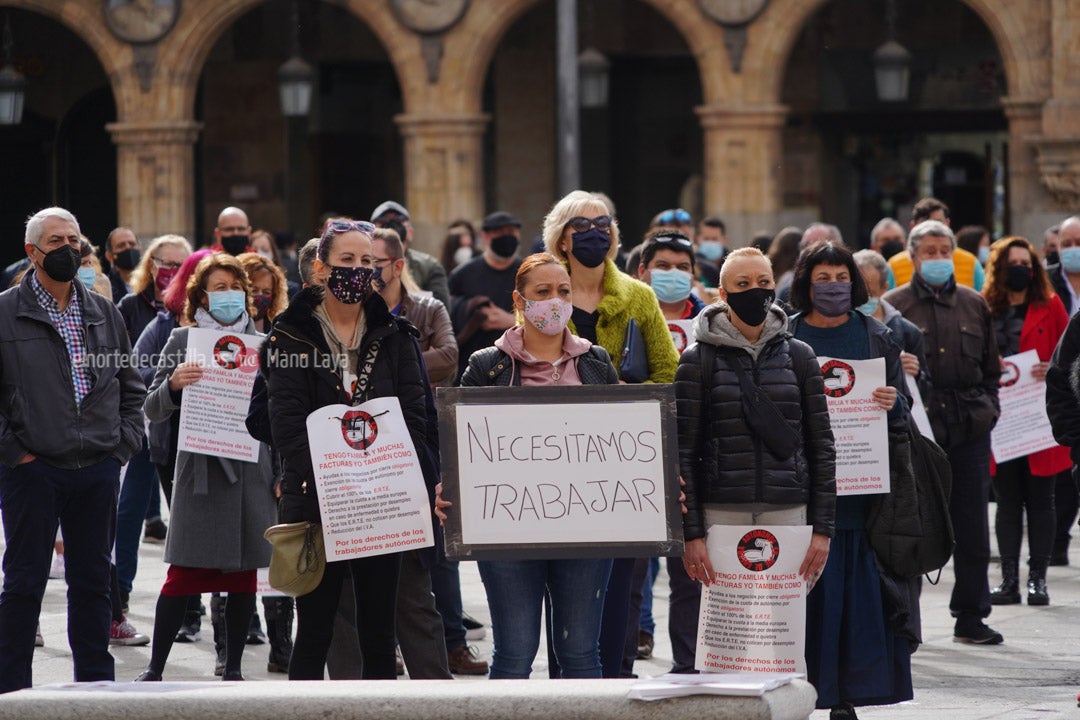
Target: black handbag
634,364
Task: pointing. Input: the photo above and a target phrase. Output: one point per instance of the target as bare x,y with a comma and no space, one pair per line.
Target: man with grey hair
887,237
964,364
70,417
305,261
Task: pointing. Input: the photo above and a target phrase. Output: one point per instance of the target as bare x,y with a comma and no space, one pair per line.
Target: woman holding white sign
317,354
1026,315
853,655
542,351
220,506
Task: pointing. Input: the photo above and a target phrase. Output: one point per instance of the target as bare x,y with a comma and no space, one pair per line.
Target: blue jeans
33,498
515,592
648,624
137,493
446,586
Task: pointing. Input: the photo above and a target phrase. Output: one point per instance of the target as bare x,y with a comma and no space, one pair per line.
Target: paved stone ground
1034,674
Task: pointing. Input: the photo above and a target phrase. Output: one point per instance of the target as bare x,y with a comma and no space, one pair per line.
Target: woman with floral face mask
312,359
220,507
540,350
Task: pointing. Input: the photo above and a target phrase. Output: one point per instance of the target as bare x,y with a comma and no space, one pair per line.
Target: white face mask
462,255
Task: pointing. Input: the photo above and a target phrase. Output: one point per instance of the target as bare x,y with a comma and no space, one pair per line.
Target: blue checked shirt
70,326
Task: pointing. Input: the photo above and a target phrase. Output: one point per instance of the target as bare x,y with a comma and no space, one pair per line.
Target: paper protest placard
682,333
212,410
918,409
1023,427
859,424
753,618
560,471
371,489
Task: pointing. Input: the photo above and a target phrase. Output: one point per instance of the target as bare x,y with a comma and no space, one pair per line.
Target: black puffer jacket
492,366
722,460
296,362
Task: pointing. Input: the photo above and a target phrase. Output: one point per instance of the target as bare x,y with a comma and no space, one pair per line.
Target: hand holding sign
185,374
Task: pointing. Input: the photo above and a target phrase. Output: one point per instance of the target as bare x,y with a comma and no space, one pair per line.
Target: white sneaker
56,572
124,633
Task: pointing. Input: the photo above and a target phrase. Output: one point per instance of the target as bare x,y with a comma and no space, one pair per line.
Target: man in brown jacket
964,366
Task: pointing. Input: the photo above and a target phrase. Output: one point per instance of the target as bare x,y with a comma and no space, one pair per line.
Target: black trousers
1018,491
1066,505
968,507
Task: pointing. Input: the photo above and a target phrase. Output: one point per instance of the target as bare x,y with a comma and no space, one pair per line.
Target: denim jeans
33,497
446,585
139,489
515,592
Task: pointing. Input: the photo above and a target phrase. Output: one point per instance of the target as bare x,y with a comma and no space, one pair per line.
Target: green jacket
625,298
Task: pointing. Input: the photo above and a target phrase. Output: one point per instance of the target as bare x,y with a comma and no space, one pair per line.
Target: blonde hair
142,276
743,252
569,207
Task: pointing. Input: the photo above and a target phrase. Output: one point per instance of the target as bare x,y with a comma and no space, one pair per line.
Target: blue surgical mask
869,307
711,250
984,254
88,275
227,305
937,272
670,286
1070,259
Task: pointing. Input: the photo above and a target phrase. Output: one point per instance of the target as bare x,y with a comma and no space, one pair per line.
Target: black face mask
752,306
1018,278
234,244
891,248
504,245
127,259
62,264
1052,258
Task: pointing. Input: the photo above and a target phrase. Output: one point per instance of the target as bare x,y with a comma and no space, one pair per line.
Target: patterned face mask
548,316
350,285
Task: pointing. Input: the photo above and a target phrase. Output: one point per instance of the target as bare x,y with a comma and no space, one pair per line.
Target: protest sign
372,495
542,472
858,423
1023,427
682,333
753,618
212,410
918,409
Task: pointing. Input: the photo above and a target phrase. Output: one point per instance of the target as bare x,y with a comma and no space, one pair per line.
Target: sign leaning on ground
557,472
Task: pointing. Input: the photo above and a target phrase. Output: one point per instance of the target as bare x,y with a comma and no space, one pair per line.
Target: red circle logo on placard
678,336
359,429
839,378
758,550
230,352
1010,374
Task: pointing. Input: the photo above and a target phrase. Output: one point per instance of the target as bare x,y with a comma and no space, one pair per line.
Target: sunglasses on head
344,226
676,240
674,217
581,224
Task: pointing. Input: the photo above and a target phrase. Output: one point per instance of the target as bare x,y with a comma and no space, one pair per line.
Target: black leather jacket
723,461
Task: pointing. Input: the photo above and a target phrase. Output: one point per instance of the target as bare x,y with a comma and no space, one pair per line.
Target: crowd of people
93,376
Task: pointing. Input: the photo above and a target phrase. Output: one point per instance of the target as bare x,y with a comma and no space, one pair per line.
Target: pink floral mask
548,316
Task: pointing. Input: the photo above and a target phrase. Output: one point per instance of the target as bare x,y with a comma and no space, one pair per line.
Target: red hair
175,294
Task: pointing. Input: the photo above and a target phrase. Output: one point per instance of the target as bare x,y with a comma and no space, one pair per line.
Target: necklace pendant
555,375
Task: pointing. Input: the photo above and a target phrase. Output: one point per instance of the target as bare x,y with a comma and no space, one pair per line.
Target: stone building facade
199,103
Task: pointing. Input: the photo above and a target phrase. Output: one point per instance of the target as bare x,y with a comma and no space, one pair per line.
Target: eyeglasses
678,240
674,217
380,261
162,265
344,226
581,224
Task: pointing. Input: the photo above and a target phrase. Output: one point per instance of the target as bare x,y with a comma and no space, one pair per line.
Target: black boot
217,619
1036,587
238,611
1008,592
279,626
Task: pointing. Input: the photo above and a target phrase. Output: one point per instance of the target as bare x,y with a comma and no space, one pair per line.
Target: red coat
1043,327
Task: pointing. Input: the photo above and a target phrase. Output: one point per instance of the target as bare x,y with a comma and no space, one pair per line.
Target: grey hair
882,224
872,260
832,231
928,227
36,222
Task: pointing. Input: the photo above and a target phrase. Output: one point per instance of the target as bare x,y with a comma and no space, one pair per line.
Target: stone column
444,172
1029,207
743,166
156,176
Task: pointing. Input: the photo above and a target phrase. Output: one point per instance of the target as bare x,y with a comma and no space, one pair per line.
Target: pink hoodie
541,372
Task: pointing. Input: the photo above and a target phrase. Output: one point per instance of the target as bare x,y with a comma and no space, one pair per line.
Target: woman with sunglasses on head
1026,315
220,506
579,232
338,319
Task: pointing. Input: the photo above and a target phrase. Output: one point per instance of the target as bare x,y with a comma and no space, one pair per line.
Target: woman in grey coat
220,507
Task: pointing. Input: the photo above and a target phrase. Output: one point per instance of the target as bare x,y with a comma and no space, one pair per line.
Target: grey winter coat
220,508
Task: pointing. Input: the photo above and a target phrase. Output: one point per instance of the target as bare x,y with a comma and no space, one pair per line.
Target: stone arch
485,26
773,36
198,32
89,27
